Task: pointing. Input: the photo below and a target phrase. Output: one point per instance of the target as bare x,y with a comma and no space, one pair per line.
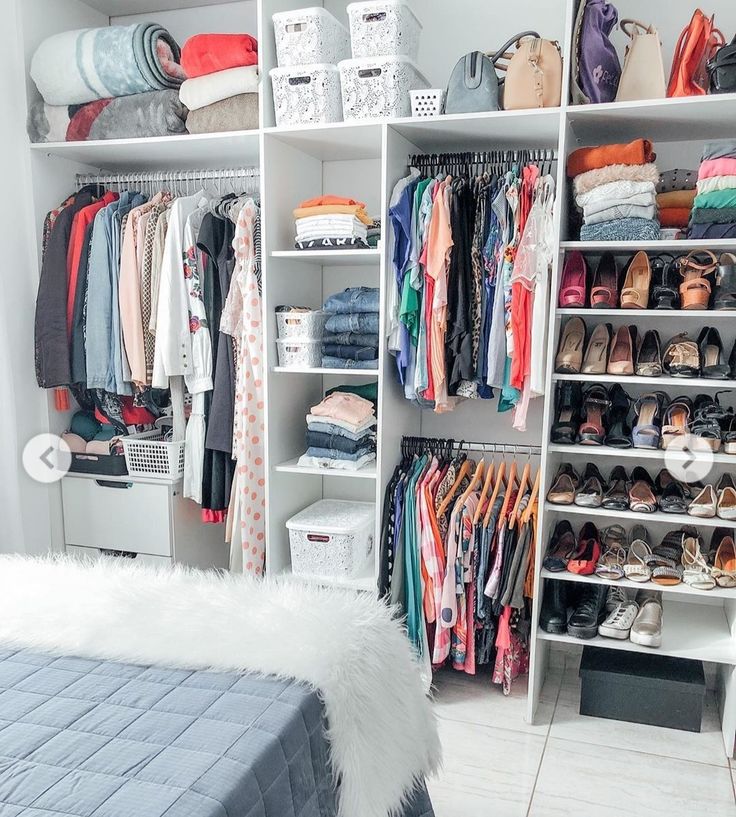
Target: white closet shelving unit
364,160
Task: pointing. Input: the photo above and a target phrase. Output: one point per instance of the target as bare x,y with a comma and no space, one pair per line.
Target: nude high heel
596,355
570,350
635,293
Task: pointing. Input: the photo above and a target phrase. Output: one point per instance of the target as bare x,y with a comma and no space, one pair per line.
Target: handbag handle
632,27
515,40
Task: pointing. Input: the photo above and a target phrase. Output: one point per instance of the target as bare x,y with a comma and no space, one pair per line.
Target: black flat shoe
616,497
553,616
590,493
665,282
619,429
713,366
568,400
649,359
673,498
589,612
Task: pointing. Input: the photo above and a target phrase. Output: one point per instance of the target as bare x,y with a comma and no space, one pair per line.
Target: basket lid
334,516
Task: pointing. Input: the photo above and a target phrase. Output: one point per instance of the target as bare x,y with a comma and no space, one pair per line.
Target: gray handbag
474,85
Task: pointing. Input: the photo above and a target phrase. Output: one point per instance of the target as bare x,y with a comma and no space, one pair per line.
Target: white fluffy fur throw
382,730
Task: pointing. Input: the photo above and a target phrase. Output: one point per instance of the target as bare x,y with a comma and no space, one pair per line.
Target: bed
85,733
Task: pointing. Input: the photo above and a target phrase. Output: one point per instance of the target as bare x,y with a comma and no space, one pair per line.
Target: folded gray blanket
236,113
75,67
156,113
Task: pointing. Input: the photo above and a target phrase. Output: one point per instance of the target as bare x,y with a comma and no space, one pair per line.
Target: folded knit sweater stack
675,197
714,208
614,187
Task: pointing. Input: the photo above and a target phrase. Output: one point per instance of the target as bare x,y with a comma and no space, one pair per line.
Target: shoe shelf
632,247
293,467
674,520
699,632
681,589
332,258
655,382
700,314
656,455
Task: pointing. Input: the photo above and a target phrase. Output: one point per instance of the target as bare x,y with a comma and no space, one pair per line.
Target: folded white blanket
382,730
716,183
202,91
621,189
622,210
637,200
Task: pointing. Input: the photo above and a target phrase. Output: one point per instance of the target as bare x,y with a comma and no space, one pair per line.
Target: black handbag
722,69
474,85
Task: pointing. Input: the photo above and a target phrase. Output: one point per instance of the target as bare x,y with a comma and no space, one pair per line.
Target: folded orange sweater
674,216
209,53
321,201
677,198
638,152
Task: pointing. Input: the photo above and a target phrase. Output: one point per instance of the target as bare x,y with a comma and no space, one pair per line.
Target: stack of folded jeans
341,433
714,208
351,331
615,189
332,223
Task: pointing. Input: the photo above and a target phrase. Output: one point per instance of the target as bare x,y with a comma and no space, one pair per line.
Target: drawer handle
368,73
118,554
104,483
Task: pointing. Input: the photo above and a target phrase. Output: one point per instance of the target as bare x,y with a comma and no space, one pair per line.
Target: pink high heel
574,279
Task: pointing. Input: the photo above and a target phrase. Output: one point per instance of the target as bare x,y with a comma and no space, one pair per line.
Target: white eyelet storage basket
151,455
309,35
301,325
430,102
299,353
332,538
377,87
385,27
306,94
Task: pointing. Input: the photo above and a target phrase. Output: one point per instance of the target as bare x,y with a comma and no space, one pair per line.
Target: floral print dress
242,318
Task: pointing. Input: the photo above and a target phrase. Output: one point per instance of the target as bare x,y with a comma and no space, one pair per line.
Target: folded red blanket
638,152
208,53
674,216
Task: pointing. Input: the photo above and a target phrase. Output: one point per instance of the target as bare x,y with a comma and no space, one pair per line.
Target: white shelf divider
332,258
292,467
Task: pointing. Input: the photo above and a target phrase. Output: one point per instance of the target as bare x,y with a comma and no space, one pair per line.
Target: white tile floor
497,765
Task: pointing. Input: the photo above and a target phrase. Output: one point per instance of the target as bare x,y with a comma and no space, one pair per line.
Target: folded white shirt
335,465
622,211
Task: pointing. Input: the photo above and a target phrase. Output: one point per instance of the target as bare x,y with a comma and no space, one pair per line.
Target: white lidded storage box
376,87
308,36
384,27
307,325
332,538
306,94
299,353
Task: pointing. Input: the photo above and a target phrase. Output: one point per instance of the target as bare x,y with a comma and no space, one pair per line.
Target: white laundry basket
377,87
384,27
306,94
308,36
151,455
332,538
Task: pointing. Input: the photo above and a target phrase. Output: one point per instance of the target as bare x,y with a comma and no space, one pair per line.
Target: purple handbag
599,67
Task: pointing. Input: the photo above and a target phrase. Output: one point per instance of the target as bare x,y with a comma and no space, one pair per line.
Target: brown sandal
635,294
695,289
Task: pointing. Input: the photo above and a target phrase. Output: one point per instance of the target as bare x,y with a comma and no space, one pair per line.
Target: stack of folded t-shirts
222,90
675,197
341,433
332,223
714,209
614,186
374,233
107,83
350,340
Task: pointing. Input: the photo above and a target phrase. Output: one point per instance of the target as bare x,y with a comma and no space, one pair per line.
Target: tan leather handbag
533,75
643,73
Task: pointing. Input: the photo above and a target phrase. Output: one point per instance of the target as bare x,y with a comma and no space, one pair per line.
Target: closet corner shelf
632,247
591,451
367,472
332,258
208,150
699,632
320,371
335,142
365,583
674,520
655,382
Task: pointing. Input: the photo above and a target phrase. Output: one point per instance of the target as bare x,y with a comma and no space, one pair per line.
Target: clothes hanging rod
164,176
490,447
483,157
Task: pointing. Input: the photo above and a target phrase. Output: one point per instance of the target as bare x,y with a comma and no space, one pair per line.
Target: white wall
225,18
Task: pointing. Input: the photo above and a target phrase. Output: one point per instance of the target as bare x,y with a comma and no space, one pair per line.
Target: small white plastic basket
299,353
304,325
427,103
383,28
309,35
151,455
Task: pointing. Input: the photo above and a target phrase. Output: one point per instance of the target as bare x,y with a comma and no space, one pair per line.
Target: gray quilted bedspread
81,738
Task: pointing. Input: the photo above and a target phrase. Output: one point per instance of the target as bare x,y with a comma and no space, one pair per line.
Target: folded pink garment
344,406
717,167
77,444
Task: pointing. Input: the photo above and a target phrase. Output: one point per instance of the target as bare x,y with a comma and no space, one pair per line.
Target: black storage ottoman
641,688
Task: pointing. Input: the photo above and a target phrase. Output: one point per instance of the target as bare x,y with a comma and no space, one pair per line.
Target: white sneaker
616,596
619,622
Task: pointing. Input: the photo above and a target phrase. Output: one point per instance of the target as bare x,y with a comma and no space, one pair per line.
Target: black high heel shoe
619,430
711,354
568,399
665,282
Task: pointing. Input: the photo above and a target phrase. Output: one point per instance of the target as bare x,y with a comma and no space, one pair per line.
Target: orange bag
697,44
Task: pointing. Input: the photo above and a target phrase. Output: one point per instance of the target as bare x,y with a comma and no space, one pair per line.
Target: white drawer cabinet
139,558
147,518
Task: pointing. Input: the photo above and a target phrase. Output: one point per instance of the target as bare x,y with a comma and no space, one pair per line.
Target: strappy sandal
697,573
636,568
711,355
561,548
604,290
569,357
676,420
635,292
648,427
681,357
665,294
568,398
695,289
725,292
619,430
707,422
574,280
724,562
595,403
611,564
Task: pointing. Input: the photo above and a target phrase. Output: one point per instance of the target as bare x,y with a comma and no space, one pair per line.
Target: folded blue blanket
76,67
